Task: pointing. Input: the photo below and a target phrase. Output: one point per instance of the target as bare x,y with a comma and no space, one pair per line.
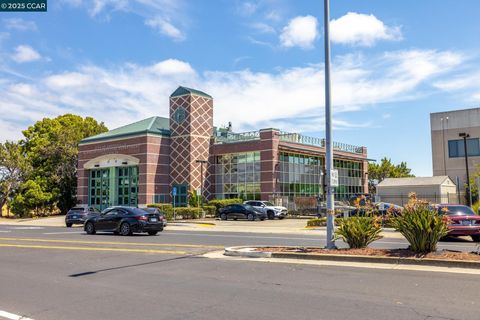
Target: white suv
269,208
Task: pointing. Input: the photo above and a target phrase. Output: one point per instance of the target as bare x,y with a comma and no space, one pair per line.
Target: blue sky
393,63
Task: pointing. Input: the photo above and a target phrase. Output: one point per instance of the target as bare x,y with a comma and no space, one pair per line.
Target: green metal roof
184,90
152,125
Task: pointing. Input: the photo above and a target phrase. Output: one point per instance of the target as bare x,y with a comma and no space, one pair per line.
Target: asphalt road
58,273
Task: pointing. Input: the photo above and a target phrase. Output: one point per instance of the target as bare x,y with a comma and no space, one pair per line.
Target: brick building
141,162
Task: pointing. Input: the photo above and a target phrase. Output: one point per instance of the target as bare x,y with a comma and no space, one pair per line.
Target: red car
463,221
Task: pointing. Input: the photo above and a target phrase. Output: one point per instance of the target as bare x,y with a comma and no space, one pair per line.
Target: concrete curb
248,252
192,222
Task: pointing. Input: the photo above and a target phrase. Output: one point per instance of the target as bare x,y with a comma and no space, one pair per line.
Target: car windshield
268,204
456,210
248,206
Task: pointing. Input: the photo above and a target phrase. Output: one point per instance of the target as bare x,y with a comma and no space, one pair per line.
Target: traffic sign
334,178
174,191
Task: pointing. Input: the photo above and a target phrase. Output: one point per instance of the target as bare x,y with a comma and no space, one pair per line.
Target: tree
386,169
51,146
32,197
13,168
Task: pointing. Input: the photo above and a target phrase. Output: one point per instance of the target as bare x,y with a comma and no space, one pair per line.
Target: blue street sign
174,191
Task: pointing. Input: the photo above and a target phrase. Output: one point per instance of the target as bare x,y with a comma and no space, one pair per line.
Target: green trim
181,91
153,125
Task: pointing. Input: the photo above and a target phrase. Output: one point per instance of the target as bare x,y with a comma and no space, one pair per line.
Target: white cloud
247,8
24,53
262,27
362,30
300,32
165,16
20,24
165,28
129,92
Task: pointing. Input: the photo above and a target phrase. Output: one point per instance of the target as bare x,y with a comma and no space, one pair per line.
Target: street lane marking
92,249
5,231
27,228
65,232
11,316
113,243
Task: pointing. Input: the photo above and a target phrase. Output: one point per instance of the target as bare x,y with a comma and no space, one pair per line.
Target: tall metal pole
469,194
328,133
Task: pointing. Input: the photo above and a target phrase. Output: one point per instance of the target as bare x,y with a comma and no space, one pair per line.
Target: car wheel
270,215
223,216
476,238
152,233
125,229
69,225
90,228
250,217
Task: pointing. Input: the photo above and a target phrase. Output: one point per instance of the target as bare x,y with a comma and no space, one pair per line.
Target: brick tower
191,126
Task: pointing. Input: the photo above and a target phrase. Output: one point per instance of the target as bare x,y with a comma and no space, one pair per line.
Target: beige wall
446,126
435,194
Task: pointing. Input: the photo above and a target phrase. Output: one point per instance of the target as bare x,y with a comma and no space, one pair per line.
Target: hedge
209,211
322,222
224,202
182,212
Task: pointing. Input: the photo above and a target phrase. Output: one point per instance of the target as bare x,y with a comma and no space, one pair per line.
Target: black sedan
241,211
125,221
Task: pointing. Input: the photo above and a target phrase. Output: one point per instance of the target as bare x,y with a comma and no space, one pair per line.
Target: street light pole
201,178
469,194
328,133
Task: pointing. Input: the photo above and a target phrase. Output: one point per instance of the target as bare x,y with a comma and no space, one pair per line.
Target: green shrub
209,211
188,213
223,202
317,222
422,226
476,206
358,232
165,208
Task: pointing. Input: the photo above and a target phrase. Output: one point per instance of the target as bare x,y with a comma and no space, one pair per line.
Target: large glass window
238,176
456,148
127,186
181,198
113,186
302,176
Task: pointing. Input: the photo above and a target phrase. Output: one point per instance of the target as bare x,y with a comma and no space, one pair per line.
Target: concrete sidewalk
285,226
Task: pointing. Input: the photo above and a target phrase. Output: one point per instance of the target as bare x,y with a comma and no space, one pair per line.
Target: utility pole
328,134
469,194
202,162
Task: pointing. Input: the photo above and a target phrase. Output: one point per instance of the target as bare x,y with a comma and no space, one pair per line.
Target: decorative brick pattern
190,139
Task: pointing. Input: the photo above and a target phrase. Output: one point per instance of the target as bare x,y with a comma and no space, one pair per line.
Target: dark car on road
79,214
241,211
462,220
125,221
157,211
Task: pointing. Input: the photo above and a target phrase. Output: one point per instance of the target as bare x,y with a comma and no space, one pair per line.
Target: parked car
463,221
79,214
125,221
241,211
269,208
340,208
160,213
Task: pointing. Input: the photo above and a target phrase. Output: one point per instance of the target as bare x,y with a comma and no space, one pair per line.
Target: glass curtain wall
302,176
238,176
